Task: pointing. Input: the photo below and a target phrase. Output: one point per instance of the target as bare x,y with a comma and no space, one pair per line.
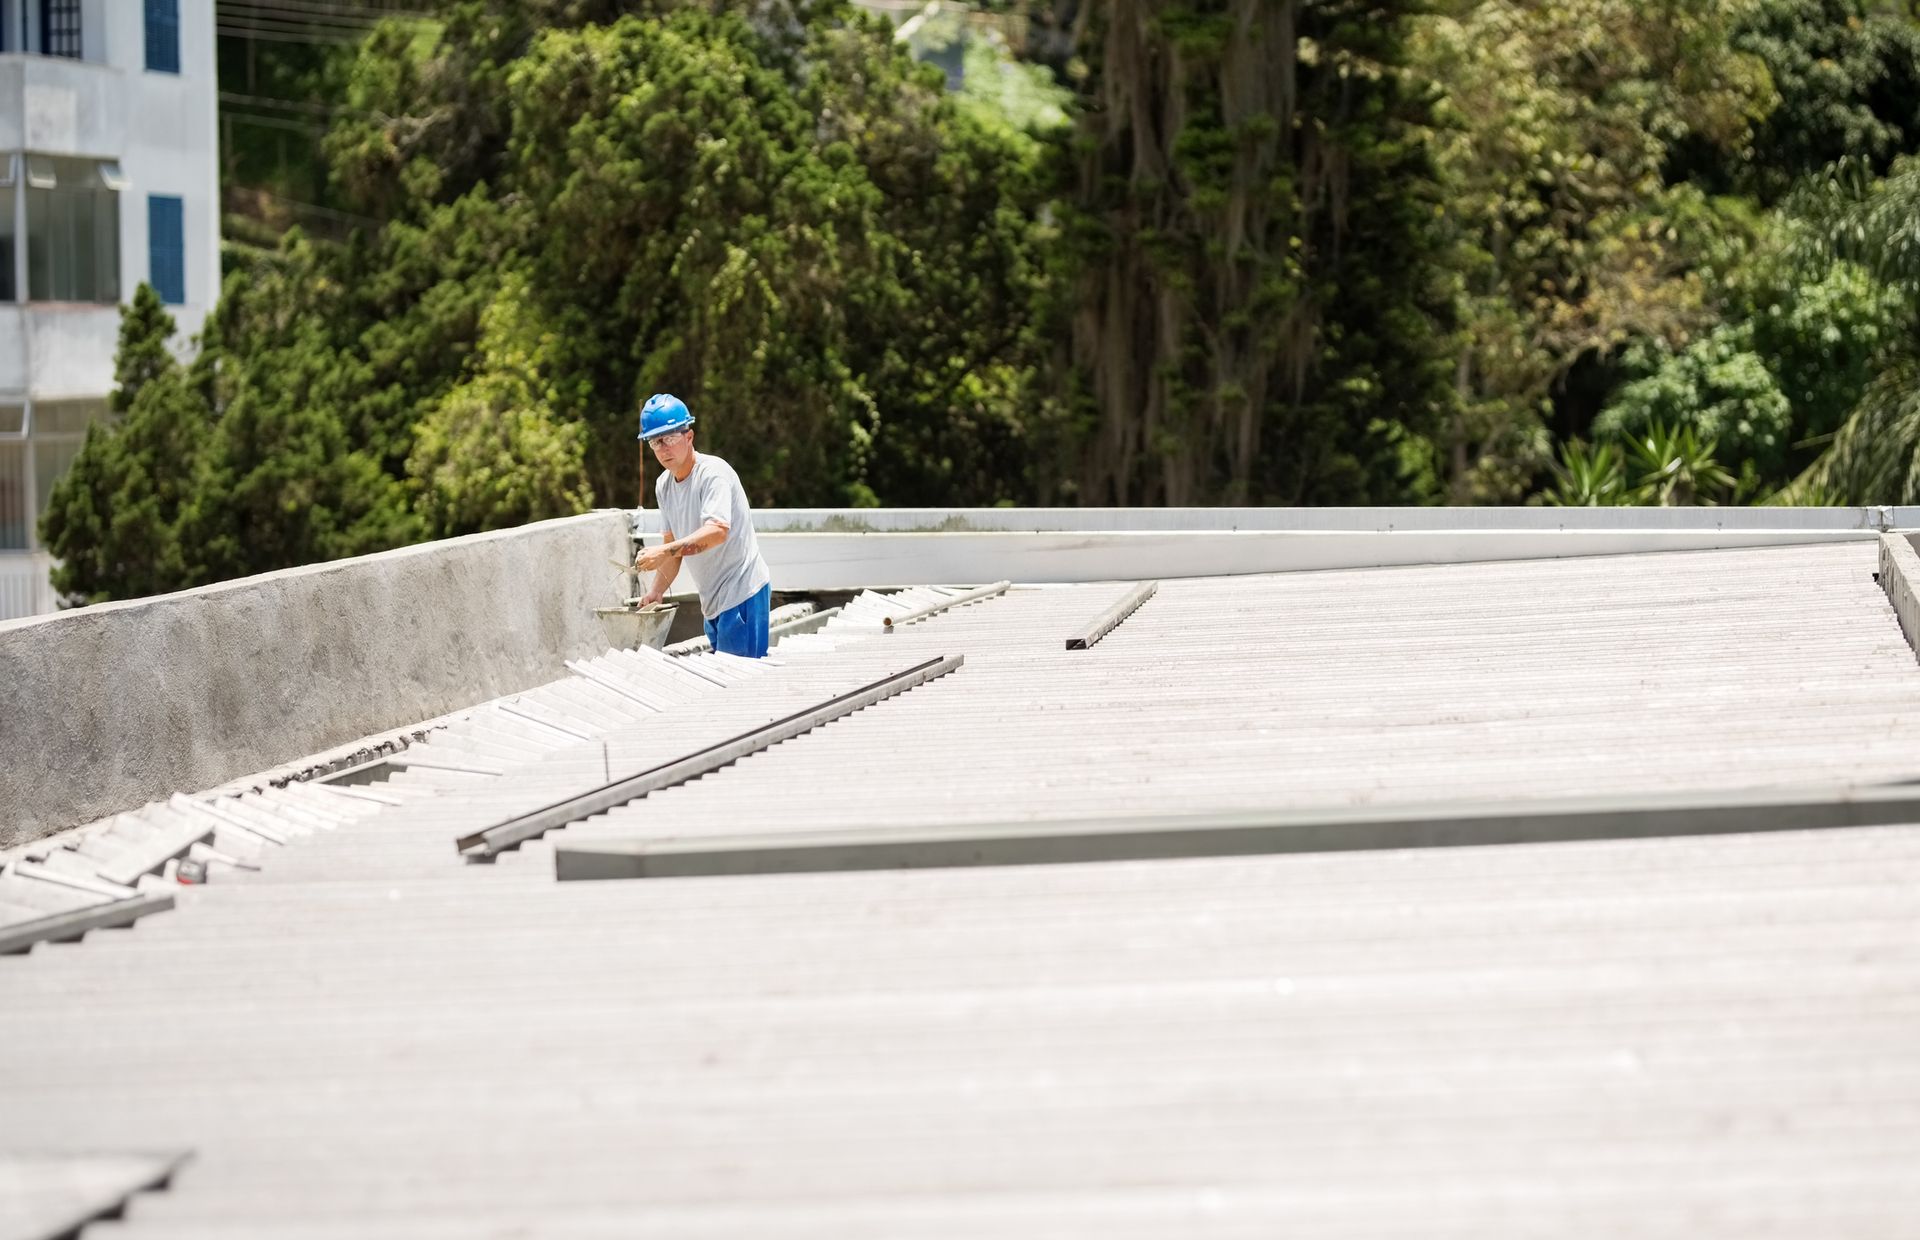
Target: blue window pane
167,248
163,36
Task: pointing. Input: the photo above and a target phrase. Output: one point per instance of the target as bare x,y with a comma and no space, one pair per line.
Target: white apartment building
108,177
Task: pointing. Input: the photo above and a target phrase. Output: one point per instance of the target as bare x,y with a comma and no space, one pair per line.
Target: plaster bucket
631,628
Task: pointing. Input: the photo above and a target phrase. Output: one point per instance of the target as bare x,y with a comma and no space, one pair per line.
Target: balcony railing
24,587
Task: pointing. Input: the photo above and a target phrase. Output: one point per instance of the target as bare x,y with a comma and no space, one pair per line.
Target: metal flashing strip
496,839
406,759
958,600
1247,833
22,935
1110,619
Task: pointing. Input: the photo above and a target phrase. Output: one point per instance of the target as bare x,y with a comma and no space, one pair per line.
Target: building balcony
61,106
58,349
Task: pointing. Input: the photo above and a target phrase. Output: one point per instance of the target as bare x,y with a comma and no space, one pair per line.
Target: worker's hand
651,597
652,559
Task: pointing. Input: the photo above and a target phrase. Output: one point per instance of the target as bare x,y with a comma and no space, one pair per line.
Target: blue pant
742,630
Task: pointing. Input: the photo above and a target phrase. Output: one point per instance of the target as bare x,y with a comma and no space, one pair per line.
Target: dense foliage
1179,251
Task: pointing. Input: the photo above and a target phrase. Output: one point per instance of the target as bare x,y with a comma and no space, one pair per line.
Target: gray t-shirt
733,572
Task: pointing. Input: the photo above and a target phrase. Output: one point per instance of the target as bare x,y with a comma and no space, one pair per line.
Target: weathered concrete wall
1900,578
108,707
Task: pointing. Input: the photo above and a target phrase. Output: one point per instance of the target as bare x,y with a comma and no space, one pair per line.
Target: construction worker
701,493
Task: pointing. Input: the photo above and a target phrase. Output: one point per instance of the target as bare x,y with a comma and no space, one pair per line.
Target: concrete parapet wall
1900,578
107,707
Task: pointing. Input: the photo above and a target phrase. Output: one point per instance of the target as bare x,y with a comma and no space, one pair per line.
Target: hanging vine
1235,157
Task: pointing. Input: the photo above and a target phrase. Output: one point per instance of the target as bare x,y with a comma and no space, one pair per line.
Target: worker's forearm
705,538
663,577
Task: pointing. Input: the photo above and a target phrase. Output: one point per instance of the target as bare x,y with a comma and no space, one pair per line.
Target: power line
246,32
296,21
275,122
263,21
314,208
287,105
320,8
248,13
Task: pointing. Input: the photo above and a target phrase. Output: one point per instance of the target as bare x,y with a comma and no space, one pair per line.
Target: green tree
144,351
1556,124
1874,457
490,453
775,213
1849,87
113,521
1718,388
1253,301
1773,382
830,260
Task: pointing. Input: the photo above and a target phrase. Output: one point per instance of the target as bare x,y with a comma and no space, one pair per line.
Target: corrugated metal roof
1687,1037
1545,679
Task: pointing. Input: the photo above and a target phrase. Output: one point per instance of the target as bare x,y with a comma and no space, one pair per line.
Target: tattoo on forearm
685,549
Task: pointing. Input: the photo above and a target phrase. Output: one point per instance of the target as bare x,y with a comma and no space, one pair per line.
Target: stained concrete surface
106,707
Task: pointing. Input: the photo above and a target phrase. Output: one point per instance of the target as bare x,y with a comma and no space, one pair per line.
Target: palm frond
1875,456
1875,223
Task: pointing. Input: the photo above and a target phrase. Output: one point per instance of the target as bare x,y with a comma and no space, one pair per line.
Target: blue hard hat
663,414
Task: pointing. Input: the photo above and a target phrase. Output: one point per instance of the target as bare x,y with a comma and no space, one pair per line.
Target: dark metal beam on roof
1244,833
20,936
1110,619
496,839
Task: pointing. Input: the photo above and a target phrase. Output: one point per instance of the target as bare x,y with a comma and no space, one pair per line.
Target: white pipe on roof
877,561
1378,520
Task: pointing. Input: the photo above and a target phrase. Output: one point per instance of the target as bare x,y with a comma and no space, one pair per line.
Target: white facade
94,126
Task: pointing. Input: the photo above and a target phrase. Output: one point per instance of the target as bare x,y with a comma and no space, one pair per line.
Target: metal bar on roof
404,758
264,834
362,794
70,925
508,708
1242,833
958,600
1110,619
802,624
79,882
515,831
613,684
705,671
